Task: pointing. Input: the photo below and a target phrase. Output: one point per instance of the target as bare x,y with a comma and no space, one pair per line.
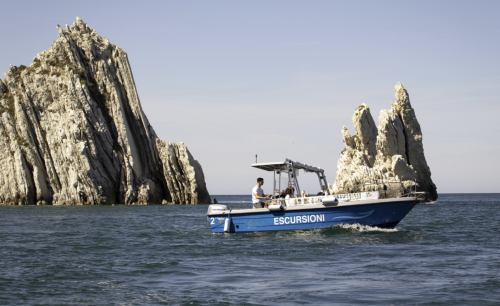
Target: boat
375,204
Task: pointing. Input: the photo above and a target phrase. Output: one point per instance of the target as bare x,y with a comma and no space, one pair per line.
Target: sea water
442,253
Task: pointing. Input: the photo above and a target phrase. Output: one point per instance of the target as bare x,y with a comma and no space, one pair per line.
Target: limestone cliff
72,131
393,152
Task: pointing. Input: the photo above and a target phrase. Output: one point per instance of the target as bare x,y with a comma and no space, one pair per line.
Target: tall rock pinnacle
392,152
72,131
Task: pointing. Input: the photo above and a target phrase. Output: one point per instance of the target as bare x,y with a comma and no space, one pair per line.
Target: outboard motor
215,208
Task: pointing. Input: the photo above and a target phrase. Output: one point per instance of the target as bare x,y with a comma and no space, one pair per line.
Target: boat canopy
290,168
283,166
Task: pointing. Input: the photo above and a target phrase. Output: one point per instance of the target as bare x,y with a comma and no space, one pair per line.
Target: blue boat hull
383,215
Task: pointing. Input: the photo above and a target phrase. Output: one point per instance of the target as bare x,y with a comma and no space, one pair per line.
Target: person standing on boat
258,196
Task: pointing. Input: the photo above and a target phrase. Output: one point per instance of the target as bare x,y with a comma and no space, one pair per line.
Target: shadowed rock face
72,131
391,152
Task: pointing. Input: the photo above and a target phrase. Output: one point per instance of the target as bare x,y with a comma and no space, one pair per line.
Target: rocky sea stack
391,152
72,131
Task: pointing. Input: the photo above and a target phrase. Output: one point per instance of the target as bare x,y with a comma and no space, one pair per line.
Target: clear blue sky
281,78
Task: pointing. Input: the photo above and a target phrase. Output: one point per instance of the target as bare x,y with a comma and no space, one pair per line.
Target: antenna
255,158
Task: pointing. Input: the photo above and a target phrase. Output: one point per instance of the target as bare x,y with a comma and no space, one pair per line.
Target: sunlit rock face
384,155
72,131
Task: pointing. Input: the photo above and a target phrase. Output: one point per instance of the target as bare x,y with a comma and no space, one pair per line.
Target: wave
366,228
337,229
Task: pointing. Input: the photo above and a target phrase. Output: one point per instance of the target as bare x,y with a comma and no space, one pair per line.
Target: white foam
429,203
367,228
353,227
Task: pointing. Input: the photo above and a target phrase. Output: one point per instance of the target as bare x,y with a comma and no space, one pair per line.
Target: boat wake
342,229
366,228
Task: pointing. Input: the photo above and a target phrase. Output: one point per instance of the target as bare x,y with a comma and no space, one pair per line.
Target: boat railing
387,189
381,190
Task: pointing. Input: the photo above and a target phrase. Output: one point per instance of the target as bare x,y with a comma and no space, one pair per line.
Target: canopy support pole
274,182
295,181
322,180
